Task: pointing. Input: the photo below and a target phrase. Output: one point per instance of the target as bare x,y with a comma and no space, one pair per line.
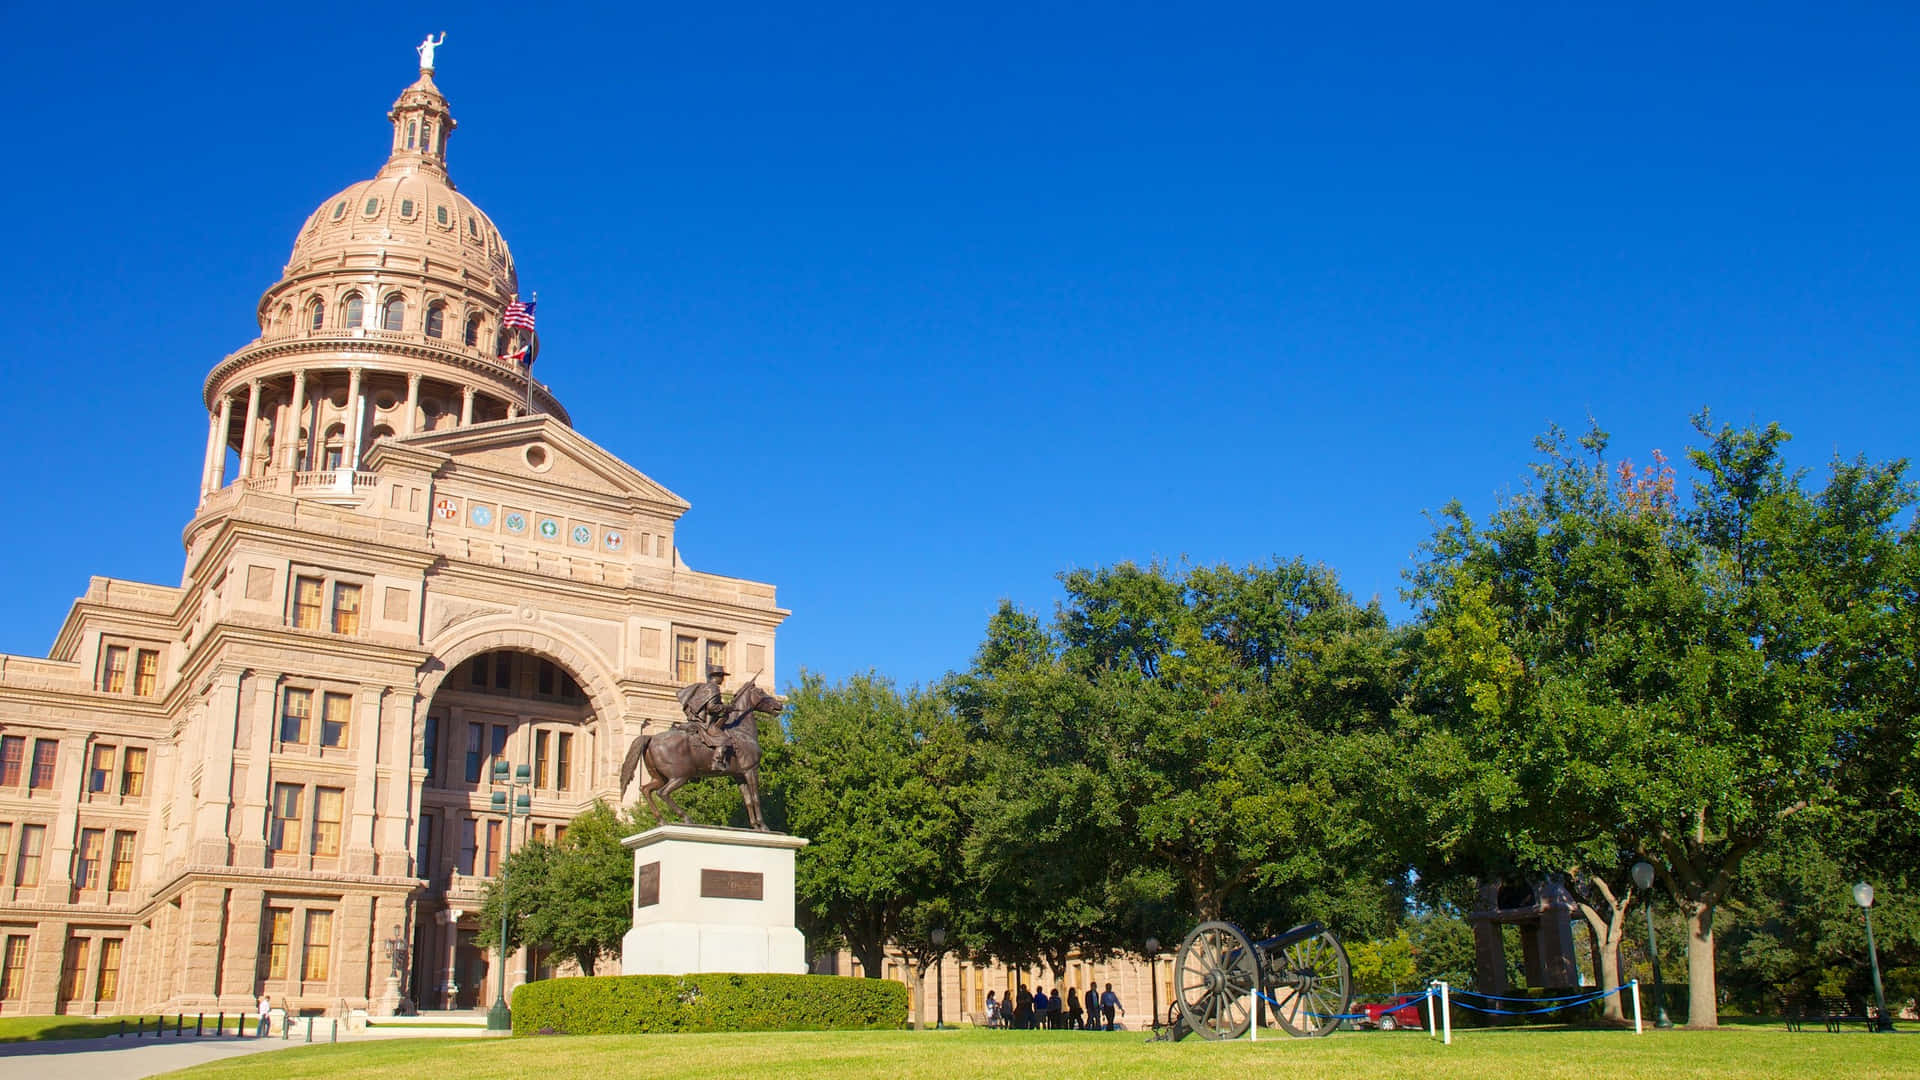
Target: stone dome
407,214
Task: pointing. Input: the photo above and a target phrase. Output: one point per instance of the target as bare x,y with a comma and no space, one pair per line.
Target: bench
1794,1012
1840,1011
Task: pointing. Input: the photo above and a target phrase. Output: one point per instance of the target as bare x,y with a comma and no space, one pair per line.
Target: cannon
1223,981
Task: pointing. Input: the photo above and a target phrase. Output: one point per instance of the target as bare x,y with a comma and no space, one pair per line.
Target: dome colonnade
385,322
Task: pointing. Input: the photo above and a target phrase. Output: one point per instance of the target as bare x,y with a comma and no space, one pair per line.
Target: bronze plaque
732,884
646,885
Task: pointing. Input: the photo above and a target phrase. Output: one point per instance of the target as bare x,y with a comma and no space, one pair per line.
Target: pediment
539,450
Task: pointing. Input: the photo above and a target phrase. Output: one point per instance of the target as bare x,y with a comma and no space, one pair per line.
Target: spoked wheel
1311,985
1213,974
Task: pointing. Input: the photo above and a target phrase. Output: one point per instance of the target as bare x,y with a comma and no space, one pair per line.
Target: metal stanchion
1446,1014
1636,1006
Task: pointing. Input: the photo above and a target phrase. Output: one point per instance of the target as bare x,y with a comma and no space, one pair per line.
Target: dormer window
440,214
339,209
395,314
406,209
473,229
373,207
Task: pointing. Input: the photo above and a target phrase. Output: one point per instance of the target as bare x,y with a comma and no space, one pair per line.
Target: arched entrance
498,700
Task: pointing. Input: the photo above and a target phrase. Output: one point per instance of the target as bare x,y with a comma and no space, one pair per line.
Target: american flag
519,316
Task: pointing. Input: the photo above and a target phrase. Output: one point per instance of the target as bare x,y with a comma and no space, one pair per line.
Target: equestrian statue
717,738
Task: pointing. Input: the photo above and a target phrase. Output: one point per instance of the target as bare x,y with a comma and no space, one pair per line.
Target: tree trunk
871,954
1606,935
919,998
1703,1006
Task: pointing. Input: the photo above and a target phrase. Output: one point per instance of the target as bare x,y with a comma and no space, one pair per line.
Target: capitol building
405,566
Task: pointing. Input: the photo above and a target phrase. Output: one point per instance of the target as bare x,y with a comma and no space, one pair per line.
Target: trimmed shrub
635,1004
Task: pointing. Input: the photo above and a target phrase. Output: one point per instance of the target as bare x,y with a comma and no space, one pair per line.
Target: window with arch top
473,330
436,319
356,311
394,315
319,314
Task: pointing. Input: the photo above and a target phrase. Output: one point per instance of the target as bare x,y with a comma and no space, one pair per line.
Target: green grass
1521,1054
15,1029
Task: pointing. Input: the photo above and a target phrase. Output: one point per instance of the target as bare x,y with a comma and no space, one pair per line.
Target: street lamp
1643,879
1153,978
510,803
1863,895
939,939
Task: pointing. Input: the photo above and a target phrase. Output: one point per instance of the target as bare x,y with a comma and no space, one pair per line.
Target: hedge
635,1004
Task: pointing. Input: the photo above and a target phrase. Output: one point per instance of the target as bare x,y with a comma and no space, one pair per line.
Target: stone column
296,445
213,447
217,467
204,908
239,967
366,740
210,841
413,402
359,408
250,434
250,846
466,406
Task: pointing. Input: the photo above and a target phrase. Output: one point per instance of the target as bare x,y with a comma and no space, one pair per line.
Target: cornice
271,877
349,352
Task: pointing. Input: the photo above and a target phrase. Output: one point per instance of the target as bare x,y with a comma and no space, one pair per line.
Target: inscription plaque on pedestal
689,882
732,884
646,885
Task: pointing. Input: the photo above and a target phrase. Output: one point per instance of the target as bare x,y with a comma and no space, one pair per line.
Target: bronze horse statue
677,755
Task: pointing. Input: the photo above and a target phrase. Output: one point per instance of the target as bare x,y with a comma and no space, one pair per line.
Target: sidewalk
116,1058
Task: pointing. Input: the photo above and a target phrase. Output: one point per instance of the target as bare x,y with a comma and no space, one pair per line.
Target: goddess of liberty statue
426,47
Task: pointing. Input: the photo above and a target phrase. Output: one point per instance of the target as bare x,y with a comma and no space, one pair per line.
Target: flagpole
526,338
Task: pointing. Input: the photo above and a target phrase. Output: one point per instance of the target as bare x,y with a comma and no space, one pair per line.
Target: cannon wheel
1311,985
1213,973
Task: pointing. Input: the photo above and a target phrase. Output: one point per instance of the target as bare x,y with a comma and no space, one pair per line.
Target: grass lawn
14,1029
1520,1054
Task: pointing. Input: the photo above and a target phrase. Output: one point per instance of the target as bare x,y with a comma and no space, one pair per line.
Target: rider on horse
706,712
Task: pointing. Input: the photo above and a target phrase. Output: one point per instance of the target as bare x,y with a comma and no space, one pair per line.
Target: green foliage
637,1004
575,898
1383,966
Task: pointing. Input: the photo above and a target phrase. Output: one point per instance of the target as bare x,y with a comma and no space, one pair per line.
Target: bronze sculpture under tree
681,753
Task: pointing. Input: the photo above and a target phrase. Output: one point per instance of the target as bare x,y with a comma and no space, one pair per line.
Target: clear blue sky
1027,288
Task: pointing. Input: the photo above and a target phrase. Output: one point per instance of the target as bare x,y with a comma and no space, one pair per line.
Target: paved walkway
115,1058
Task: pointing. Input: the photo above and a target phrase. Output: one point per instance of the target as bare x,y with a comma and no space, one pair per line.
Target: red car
1401,1012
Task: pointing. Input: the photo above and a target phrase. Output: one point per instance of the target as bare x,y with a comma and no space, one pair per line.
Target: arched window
319,314
500,343
335,454
356,312
284,324
473,330
380,431
412,128
395,314
436,316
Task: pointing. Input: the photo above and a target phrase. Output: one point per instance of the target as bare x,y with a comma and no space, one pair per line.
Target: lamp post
1643,880
1153,978
509,802
1863,895
939,939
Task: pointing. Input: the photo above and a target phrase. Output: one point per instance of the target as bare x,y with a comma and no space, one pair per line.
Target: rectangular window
477,673
327,804
120,878
476,743
279,940
503,671
133,771
318,947
108,988
32,838
716,656
423,859
540,759
493,848
346,609
336,710
559,835
430,744
686,656
114,678
73,973
306,603
499,747
6,847
295,711
539,834
286,818
87,876
13,970
146,673
46,753
546,677
563,761
100,774
467,835
13,753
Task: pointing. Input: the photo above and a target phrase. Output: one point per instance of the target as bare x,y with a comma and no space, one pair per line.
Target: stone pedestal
709,899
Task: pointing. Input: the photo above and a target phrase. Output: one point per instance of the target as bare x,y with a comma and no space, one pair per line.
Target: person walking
993,1011
1110,1004
1093,1007
266,1016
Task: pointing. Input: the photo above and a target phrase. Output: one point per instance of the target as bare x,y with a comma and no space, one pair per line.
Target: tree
575,898
872,778
1623,673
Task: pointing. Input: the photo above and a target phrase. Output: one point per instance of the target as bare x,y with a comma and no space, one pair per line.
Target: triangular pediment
536,450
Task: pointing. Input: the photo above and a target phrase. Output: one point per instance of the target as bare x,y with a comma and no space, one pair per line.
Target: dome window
436,320
394,315
356,312
339,209
440,214
319,314
373,207
473,330
406,209
473,229
412,129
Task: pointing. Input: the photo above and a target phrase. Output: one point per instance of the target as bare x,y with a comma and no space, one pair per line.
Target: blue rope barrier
1571,1004
1410,1002
1459,992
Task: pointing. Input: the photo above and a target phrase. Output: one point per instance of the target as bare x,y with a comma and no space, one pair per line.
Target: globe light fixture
939,939
1643,880
1863,895
1153,977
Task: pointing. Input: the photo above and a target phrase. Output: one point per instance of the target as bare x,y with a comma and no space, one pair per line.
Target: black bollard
179,1024
335,1031
123,1028
286,1025
220,1024
199,1025
309,1029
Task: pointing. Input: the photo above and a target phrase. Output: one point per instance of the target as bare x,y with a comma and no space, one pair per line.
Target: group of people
1096,1011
